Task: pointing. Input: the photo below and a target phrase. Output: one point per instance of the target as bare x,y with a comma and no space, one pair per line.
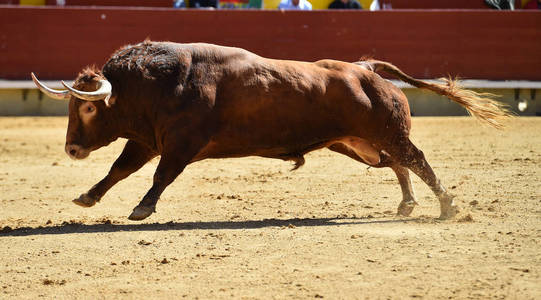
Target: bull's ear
110,100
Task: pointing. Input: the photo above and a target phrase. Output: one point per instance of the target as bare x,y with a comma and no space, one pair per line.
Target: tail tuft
480,105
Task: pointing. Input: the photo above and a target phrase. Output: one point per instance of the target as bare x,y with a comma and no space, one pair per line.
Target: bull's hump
150,58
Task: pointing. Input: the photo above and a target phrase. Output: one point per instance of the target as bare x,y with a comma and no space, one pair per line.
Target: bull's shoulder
215,54
206,47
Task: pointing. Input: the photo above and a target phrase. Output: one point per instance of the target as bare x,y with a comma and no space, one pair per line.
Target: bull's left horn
55,94
102,93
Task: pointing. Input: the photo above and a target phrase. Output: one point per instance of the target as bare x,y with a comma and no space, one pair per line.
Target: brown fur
88,75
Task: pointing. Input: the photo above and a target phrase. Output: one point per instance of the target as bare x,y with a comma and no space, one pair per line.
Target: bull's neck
136,125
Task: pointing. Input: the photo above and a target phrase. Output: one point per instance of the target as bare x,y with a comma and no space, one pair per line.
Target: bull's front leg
132,158
172,162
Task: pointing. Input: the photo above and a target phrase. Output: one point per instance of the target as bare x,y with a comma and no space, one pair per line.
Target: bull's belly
224,148
294,150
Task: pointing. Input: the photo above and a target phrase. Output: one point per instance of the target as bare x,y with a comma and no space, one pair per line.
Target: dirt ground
251,229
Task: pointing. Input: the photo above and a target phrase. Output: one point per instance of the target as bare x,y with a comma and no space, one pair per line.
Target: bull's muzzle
75,151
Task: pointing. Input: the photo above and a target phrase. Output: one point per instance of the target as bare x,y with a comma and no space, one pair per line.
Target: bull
189,102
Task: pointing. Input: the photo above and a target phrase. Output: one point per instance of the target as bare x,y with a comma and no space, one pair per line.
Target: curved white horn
55,94
103,92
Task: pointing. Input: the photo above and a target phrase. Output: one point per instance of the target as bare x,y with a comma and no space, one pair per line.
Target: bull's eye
87,111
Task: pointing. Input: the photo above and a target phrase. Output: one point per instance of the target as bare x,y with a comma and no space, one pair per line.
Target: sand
251,229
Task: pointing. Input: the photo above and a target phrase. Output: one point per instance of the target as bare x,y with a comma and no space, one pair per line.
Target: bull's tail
480,105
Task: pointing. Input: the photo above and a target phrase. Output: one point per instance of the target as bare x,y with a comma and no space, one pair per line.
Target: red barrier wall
57,42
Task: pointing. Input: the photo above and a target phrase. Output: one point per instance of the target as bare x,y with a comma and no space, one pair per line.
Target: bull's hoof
85,200
449,212
448,207
405,208
141,212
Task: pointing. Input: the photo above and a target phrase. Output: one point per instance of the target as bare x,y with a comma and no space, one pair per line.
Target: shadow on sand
75,227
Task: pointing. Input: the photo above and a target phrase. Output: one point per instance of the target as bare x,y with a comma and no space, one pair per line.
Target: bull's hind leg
414,159
408,195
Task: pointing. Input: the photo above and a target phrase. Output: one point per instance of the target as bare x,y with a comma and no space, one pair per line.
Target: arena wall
56,42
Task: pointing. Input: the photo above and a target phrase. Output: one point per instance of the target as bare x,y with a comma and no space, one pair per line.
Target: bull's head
89,113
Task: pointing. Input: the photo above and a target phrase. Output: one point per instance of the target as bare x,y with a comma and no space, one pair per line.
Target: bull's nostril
73,152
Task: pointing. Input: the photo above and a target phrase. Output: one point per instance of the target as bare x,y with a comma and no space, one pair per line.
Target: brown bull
189,102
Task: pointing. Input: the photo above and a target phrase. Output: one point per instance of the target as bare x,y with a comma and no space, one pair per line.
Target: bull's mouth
77,152
81,155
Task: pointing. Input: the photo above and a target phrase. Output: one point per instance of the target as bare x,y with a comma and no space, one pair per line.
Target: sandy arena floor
251,229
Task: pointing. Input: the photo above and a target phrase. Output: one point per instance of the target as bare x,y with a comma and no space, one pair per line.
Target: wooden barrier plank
57,42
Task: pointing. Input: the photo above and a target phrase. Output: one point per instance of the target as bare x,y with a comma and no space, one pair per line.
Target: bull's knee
416,160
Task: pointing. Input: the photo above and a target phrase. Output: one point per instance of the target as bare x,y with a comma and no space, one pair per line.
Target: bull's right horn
103,92
55,94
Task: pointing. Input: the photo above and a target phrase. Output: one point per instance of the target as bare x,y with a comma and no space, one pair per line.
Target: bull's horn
102,93
55,94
